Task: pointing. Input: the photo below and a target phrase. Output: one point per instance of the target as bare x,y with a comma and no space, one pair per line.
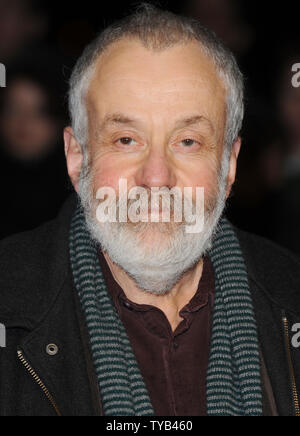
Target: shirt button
175,345
127,305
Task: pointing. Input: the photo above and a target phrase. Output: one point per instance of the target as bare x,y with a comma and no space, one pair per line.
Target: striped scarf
233,376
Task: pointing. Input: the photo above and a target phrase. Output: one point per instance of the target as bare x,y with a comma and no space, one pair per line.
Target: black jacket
39,306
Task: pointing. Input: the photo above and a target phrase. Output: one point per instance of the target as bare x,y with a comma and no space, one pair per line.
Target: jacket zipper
39,382
291,367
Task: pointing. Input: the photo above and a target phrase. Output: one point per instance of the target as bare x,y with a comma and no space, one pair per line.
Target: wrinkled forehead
132,76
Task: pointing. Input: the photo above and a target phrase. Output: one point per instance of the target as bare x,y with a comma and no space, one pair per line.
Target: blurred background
39,44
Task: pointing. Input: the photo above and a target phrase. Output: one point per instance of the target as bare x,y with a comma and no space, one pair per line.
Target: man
106,315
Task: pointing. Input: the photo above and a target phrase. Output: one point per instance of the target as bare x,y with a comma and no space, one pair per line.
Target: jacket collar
62,323
274,270
33,269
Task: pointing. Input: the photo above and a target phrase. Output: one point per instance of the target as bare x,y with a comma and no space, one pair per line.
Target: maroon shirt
173,364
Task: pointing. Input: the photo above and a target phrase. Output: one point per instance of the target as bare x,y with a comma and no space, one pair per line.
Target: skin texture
171,104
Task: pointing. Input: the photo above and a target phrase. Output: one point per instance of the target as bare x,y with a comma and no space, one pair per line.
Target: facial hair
158,266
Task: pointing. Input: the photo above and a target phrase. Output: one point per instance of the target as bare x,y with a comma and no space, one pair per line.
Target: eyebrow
194,120
121,119
116,119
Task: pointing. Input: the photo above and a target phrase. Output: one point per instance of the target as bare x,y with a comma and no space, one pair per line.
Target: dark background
39,43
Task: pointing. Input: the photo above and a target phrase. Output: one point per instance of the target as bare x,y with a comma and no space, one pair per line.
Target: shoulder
273,268
32,267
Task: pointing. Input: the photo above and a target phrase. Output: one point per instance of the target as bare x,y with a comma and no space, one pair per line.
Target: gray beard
158,268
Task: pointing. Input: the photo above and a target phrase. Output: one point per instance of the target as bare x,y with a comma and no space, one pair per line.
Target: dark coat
39,306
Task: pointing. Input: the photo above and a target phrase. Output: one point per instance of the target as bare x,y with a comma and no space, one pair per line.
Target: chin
153,235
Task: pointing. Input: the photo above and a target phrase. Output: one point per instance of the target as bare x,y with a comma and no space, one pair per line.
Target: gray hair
158,30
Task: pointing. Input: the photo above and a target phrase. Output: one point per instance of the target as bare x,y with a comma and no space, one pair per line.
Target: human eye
126,140
188,142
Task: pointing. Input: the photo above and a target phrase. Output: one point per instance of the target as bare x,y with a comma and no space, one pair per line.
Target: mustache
164,207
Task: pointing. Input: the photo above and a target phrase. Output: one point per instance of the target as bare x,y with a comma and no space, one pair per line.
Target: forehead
130,76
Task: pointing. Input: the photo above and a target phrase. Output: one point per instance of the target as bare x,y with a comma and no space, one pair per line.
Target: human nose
156,171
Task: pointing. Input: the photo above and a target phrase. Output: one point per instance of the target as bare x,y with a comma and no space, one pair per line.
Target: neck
170,303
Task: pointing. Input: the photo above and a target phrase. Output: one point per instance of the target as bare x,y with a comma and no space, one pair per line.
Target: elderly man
107,315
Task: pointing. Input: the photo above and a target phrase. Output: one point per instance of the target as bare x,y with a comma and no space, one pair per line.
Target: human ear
233,165
74,156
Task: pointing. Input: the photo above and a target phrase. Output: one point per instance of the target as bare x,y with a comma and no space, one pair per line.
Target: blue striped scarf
233,376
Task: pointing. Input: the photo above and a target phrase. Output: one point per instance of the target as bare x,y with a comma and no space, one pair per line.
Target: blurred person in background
266,199
23,23
33,176
287,100
254,200
287,104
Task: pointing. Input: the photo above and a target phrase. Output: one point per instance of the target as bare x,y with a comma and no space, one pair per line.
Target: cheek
107,172
209,182
207,179
103,178
202,174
